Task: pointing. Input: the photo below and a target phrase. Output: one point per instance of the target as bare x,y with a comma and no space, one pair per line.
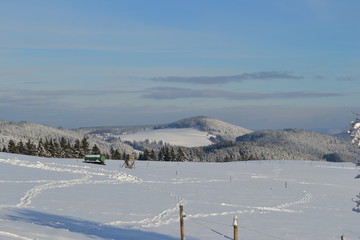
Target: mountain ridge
232,142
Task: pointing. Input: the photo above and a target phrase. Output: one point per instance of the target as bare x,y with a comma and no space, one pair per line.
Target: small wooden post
342,237
182,234
235,224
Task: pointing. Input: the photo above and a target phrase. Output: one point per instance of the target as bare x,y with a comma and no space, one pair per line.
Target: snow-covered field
66,199
188,137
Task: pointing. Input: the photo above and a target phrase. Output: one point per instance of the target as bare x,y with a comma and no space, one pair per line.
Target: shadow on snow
83,226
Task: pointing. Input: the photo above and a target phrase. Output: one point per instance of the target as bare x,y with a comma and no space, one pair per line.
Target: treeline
220,152
63,148
146,144
53,148
166,153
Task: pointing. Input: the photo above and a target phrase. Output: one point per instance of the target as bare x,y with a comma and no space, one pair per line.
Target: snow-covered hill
25,131
213,126
188,132
61,199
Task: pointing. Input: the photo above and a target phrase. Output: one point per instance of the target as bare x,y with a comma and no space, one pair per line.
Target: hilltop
215,128
222,130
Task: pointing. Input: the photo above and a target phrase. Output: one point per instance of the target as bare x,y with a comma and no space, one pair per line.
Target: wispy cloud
17,72
347,79
31,97
226,79
177,93
319,77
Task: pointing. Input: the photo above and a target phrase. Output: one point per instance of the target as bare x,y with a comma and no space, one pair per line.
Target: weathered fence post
235,224
182,234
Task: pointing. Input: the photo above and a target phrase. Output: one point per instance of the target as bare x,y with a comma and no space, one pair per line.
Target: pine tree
117,155
167,154
63,143
141,156
52,148
161,154
12,148
21,147
180,155
41,150
95,150
112,153
57,149
146,155
31,148
172,155
48,148
85,147
67,150
77,149
152,155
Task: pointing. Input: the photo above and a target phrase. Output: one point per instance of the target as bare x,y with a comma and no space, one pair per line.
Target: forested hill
25,131
304,142
288,144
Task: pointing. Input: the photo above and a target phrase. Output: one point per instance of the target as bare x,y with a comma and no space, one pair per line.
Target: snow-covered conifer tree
354,132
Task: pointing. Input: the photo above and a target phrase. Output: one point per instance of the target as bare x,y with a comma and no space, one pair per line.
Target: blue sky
259,64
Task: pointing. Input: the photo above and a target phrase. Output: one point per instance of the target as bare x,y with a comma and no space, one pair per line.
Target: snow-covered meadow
57,199
188,137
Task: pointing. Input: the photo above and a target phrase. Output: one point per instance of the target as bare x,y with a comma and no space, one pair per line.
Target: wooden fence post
182,234
235,224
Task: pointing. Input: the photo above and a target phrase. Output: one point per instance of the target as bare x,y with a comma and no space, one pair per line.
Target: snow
59,199
187,137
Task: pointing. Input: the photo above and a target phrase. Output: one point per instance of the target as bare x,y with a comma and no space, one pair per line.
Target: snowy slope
30,131
188,137
66,199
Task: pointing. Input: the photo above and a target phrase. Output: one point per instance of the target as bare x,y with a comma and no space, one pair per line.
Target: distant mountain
328,131
34,132
221,129
114,130
319,146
